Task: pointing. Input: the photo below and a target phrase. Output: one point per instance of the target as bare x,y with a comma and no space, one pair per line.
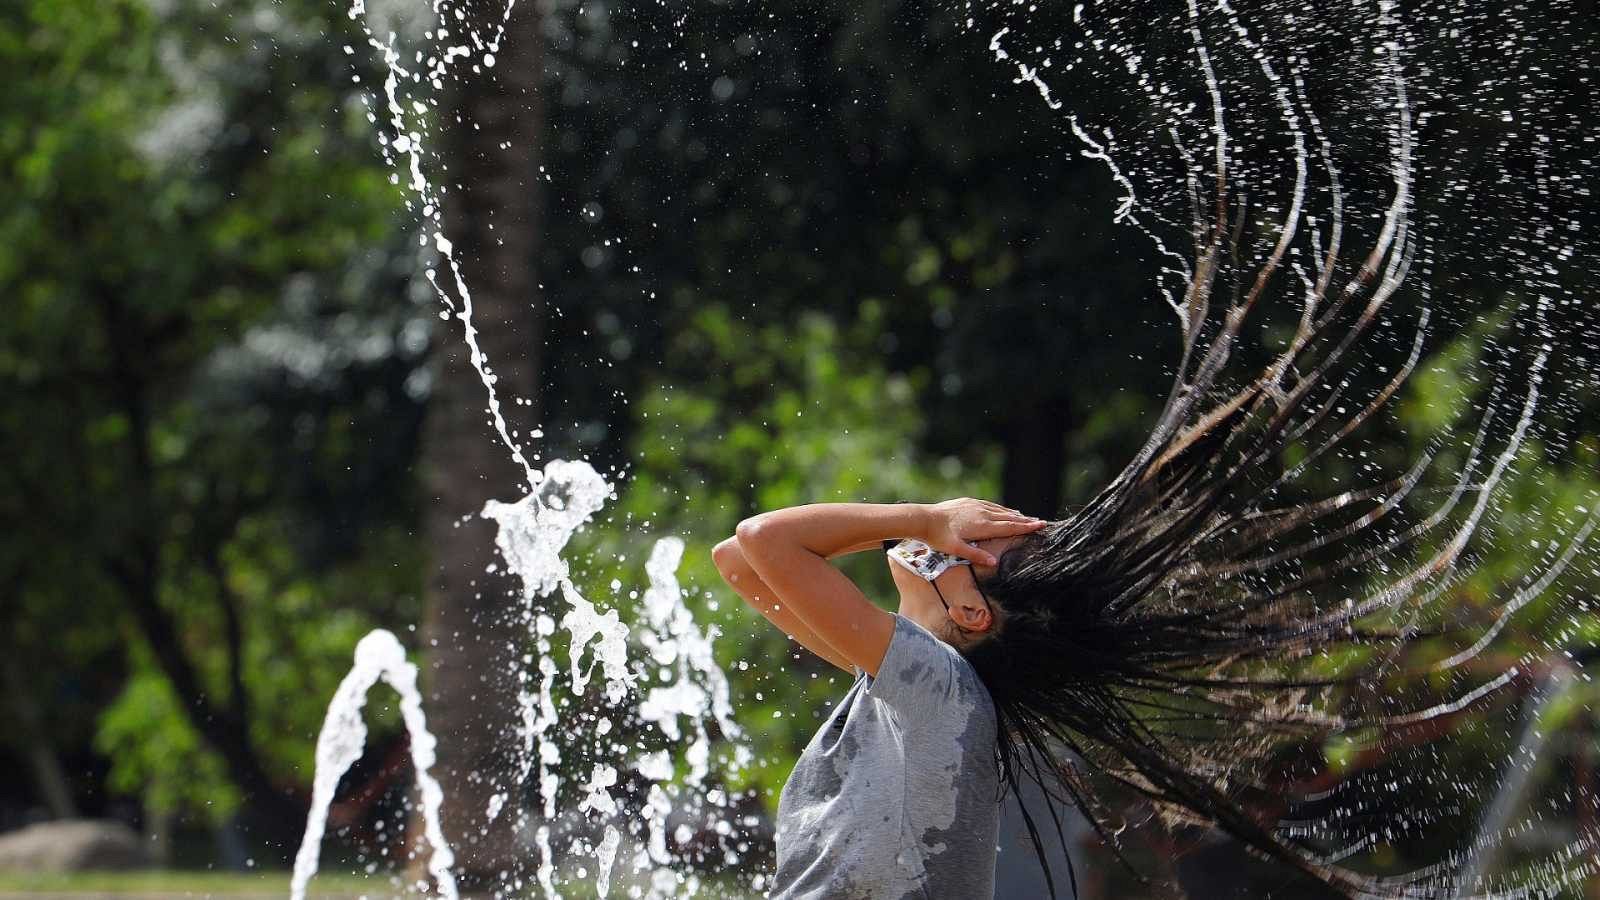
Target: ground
172,885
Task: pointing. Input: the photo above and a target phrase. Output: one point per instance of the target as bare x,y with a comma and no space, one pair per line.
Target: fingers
1019,520
999,528
997,511
970,519
1006,527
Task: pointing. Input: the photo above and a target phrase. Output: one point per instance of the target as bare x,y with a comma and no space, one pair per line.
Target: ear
972,618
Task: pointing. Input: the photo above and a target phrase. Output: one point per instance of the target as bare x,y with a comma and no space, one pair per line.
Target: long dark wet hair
1157,638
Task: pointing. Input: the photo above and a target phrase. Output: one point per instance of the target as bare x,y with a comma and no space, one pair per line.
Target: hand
954,526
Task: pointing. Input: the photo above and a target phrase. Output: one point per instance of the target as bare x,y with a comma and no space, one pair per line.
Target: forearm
739,575
856,548
833,529
789,551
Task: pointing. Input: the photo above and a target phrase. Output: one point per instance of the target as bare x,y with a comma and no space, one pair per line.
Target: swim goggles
921,559
928,564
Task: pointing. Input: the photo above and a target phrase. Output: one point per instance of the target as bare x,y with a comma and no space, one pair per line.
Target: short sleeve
920,674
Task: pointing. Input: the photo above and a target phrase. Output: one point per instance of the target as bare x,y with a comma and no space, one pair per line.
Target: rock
71,845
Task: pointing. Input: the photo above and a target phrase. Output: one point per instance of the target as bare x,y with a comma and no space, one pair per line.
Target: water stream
378,656
690,693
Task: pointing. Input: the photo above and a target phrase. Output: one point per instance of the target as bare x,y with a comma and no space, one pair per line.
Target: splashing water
378,656
532,532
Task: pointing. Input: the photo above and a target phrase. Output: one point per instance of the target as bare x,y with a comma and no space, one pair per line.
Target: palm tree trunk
472,644
1035,444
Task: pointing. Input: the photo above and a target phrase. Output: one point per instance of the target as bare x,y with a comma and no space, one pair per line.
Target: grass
190,883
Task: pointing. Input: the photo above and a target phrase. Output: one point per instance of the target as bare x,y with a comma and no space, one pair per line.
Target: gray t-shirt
897,795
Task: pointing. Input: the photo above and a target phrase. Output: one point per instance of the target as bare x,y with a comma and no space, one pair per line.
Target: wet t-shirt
897,795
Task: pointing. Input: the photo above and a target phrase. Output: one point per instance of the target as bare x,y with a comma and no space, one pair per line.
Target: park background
819,251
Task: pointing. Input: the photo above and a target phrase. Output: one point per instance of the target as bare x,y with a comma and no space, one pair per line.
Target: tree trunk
54,788
1035,459
273,814
473,646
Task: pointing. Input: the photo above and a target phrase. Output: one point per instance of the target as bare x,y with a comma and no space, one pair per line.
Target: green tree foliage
802,157
197,418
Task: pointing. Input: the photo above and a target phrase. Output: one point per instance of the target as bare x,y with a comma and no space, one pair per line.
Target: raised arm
741,576
795,587
738,573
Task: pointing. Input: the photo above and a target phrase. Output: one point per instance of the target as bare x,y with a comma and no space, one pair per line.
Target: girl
897,794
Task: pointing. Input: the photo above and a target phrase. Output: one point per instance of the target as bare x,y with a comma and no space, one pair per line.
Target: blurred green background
824,262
